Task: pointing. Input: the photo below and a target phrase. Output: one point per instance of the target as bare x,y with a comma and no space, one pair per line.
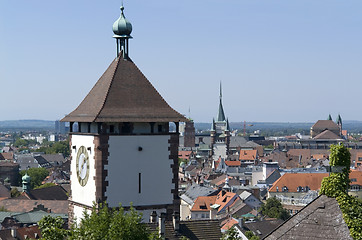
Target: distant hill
349,125
27,124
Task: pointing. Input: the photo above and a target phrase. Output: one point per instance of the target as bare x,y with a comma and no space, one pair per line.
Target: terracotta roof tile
233,163
229,223
203,203
249,155
293,180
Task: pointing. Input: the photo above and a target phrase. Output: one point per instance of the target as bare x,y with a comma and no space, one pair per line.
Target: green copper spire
227,125
339,120
122,29
213,125
221,114
26,182
329,117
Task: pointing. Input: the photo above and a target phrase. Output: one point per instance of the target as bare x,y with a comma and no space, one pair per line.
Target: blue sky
288,61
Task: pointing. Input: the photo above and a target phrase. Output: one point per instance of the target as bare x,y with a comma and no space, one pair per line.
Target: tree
336,186
52,228
37,175
231,234
14,193
102,223
57,147
45,185
274,209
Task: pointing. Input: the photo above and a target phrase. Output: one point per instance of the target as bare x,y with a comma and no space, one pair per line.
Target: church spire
329,117
220,115
122,29
339,120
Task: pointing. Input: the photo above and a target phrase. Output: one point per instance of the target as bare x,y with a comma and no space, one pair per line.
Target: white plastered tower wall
83,195
139,171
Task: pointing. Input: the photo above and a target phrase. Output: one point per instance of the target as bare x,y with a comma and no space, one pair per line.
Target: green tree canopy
57,147
52,228
337,184
37,175
274,209
45,185
101,223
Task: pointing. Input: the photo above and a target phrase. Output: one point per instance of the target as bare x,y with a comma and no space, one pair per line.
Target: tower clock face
82,166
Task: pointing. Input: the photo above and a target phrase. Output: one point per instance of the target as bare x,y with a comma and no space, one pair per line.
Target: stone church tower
220,133
122,150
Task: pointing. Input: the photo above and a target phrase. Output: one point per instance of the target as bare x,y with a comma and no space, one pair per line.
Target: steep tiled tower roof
123,94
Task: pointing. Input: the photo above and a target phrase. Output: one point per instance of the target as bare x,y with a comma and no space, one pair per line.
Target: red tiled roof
203,203
229,223
293,180
223,199
233,163
313,180
184,154
354,174
248,155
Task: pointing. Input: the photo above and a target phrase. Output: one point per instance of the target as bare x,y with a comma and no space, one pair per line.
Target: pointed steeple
339,120
227,125
329,117
221,114
213,125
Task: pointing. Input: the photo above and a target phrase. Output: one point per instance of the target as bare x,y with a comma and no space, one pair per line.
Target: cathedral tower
122,150
220,133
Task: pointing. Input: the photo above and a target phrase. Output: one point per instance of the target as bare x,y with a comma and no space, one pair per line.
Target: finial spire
221,114
122,29
220,91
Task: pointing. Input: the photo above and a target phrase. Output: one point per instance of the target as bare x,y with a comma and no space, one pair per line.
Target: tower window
139,182
159,128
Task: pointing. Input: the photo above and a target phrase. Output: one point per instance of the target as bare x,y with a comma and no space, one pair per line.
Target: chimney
13,232
161,224
176,221
213,213
240,222
153,217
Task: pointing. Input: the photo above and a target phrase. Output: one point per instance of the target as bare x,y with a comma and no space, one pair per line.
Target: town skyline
278,62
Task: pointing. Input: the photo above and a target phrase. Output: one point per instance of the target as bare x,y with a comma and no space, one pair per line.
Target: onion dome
26,178
122,27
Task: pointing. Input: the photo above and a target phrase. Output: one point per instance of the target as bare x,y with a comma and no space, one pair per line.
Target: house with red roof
249,156
212,207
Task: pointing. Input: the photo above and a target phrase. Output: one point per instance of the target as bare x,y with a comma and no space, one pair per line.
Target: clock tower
122,150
